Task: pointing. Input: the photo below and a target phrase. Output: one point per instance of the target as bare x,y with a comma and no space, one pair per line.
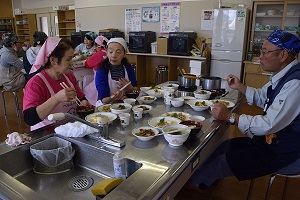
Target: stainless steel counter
165,169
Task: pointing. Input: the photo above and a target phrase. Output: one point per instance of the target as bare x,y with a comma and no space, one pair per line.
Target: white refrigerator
229,41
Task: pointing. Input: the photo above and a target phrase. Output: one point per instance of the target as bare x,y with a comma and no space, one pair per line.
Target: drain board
80,183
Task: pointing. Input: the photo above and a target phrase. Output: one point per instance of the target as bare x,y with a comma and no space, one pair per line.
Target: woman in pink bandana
43,93
90,90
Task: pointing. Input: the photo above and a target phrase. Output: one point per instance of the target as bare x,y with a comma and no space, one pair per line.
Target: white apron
65,107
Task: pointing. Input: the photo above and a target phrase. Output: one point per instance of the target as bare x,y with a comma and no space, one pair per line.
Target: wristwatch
232,118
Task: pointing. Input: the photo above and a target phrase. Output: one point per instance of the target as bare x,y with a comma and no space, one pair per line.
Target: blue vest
287,141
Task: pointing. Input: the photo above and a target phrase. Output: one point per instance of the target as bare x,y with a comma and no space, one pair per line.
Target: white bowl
156,92
144,138
177,102
145,89
200,105
197,118
156,122
187,98
176,140
118,108
271,12
130,101
171,86
93,118
202,94
147,99
146,108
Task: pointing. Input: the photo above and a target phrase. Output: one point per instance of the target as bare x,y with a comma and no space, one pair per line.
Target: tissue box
154,47
19,11
162,45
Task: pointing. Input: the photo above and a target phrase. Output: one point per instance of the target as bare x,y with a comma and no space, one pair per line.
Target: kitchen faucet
102,128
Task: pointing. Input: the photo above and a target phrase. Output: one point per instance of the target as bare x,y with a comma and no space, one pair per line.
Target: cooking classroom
186,99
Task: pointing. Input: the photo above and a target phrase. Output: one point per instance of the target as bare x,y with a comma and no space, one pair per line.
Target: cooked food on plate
178,115
106,108
145,133
94,119
162,122
148,98
144,107
200,103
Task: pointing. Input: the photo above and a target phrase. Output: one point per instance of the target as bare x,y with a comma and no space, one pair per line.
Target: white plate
145,138
183,116
93,118
228,104
143,105
104,108
168,121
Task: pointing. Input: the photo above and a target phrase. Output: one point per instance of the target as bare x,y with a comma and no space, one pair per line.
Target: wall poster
151,14
132,20
170,15
207,20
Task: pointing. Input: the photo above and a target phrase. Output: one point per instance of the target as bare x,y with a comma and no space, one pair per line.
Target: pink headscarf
44,53
99,40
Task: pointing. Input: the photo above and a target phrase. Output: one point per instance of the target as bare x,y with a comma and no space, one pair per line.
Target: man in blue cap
273,138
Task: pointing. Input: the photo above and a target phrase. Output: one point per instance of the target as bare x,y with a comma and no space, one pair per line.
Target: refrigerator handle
218,44
225,61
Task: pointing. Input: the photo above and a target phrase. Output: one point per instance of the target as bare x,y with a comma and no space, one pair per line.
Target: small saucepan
207,82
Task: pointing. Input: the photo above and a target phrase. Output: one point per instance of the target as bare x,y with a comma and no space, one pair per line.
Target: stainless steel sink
91,165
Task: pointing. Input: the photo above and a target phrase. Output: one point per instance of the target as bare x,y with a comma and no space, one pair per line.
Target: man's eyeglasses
265,51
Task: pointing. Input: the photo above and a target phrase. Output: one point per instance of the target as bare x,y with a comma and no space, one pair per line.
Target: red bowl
132,94
193,123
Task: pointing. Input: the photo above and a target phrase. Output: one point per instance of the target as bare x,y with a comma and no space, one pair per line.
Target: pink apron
90,91
113,84
65,107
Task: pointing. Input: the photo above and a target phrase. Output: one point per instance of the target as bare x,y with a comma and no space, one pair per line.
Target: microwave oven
140,42
78,37
112,34
180,43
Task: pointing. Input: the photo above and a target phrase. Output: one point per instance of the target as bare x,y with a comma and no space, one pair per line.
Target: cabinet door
48,23
292,17
267,16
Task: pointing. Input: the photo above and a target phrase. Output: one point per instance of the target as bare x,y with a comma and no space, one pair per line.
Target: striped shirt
117,72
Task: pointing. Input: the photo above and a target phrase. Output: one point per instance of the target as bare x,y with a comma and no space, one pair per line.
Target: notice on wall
207,20
150,14
133,20
170,15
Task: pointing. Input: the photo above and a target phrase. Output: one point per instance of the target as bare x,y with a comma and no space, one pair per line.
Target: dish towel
75,129
14,139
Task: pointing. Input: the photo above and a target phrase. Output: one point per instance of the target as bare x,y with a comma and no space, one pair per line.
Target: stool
16,101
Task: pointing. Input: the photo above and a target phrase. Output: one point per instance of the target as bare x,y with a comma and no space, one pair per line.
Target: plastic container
119,165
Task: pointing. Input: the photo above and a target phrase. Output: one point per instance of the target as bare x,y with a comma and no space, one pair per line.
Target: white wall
94,15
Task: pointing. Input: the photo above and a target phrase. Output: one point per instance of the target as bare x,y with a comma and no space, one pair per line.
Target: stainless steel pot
187,82
207,82
211,82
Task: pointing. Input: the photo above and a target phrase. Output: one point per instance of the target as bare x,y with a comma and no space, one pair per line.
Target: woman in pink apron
114,72
43,94
90,90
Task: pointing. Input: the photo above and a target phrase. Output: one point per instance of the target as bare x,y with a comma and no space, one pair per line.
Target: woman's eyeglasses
265,51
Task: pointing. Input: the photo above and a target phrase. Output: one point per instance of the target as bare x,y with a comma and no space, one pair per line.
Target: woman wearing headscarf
43,93
86,49
115,72
11,75
92,62
29,58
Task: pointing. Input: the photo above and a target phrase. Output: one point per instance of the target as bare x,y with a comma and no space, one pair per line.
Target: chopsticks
178,130
64,85
112,96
